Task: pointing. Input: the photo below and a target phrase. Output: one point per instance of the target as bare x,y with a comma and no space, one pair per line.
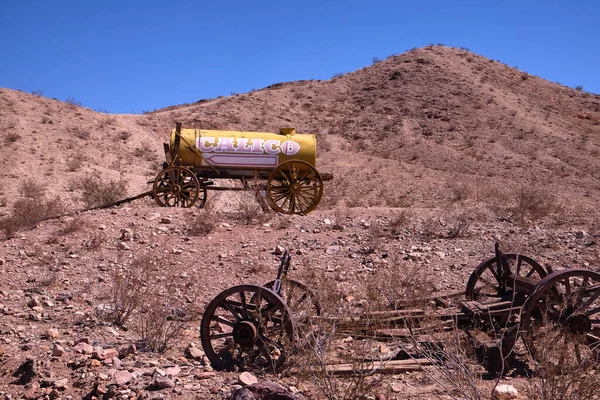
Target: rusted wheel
484,282
301,302
176,187
246,327
560,320
294,187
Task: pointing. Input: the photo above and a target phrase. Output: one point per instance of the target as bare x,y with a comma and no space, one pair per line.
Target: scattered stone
127,350
95,363
263,391
327,221
166,220
173,371
83,348
279,250
34,302
246,378
332,250
505,392
61,384
205,375
123,377
51,333
105,354
193,353
396,387
124,246
162,382
57,350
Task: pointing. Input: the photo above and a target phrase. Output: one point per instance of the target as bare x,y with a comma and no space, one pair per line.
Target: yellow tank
241,150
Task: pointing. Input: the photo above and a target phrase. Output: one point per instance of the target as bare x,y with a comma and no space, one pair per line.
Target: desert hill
413,129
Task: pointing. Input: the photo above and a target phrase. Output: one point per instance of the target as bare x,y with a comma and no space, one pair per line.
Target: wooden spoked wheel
246,327
484,283
201,202
176,187
560,321
301,302
294,187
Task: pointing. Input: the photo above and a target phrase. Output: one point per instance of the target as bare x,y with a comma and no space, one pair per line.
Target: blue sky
130,56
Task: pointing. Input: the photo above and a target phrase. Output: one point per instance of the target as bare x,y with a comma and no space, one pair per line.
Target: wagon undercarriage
510,301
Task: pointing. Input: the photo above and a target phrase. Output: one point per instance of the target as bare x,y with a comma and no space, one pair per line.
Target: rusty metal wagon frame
507,297
293,186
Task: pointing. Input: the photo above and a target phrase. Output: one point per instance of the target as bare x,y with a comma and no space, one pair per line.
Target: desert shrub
97,192
533,203
27,213
32,189
73,101
11,137
72,226
401,284
249,209
152,296
558,373
82,134
458,224
203,223
430,228
124,135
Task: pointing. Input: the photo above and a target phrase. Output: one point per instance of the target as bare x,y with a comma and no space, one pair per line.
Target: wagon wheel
301,302
485,283
560,320
176,187
201,202
246,327
294,187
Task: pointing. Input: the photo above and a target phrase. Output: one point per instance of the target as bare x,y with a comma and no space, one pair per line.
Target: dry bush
154,298
97,192
32,189
558,373
402,284
400,221
11,137
124,135
533,203
70,227
203,222
430,228
458,224
27,213
459,191
95,241
82,134
526,203
249,209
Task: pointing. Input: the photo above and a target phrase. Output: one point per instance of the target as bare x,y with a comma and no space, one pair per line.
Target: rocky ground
58,277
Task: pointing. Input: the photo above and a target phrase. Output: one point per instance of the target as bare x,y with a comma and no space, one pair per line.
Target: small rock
332,250
95,363
34,302
173,371
205,375
246,378
279,250
505,392
58,350
162,382
124,246
123,377
51,333
166,220
327,221
193,353
83,348
61,384
125,351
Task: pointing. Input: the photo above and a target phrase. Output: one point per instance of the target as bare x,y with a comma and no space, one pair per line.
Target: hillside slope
421,128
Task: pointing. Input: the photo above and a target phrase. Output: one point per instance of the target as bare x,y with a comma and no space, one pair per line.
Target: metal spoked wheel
294,187
301,302
176,187
484,282
246,327
560,321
